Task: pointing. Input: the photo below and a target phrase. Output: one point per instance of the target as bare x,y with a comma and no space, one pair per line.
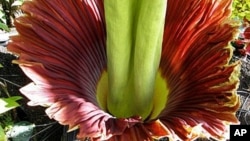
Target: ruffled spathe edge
64,54
61,48
195,64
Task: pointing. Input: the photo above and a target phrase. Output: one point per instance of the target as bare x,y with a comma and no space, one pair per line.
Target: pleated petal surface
195,64
61,48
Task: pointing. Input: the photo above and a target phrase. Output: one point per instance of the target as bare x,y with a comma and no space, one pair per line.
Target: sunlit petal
61,47
195,64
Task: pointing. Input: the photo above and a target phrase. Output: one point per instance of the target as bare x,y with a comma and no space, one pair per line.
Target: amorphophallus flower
127,69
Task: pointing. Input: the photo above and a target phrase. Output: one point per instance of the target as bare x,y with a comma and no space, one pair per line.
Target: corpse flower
126,69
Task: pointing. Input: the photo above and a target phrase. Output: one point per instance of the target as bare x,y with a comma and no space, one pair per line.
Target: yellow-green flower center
129,108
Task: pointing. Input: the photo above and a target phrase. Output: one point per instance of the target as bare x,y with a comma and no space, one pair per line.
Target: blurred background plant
18,121
241,46
241,9
9,10
7,103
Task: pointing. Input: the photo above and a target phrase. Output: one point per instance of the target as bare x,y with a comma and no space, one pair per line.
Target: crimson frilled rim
62,47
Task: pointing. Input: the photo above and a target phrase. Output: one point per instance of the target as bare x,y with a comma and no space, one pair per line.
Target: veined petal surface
61,48
195,64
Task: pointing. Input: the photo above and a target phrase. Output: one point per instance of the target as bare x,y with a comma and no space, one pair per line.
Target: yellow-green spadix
134,43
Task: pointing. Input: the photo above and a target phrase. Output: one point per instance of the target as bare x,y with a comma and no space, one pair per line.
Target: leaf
2,135
240,9
248,17
1,66
21,131
4,27
7,104
17,3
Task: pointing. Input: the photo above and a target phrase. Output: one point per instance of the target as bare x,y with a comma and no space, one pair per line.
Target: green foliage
6,121
7,104
8,11
21,131
2,135
4,27
241,9
6,124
